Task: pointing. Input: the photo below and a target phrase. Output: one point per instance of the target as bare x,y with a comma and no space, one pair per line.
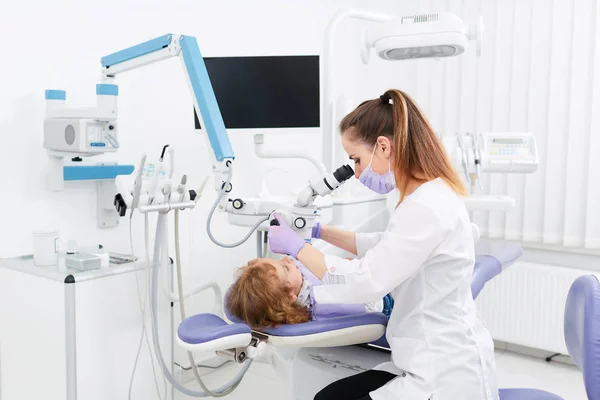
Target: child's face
289,274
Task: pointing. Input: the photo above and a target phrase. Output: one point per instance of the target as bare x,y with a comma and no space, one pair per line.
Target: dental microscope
302,217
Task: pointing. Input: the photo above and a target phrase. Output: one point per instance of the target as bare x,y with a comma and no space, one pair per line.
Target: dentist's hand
283,240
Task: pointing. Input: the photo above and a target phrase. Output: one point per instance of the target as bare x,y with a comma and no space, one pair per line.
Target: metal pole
70,338
0,370
172,327
259,244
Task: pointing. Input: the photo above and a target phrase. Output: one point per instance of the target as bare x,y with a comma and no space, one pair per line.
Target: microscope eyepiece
343,173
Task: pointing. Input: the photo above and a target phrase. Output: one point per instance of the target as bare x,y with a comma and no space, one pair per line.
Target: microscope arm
187,50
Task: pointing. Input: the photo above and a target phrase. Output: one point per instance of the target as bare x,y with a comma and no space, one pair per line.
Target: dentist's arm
308,255
345,240
355,243
283,240
401,251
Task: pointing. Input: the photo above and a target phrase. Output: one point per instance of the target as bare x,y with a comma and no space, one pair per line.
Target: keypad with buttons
510,149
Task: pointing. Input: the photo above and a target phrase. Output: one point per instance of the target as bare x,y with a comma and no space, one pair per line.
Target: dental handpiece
137,185
171,162
166,191
477,152
181,187
154,184
465,163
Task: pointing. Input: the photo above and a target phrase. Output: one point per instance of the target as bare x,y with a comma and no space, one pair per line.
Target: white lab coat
425,259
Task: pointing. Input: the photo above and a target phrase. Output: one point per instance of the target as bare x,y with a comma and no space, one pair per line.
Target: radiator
525,305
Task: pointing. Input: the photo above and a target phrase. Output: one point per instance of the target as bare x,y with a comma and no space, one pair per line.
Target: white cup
45,247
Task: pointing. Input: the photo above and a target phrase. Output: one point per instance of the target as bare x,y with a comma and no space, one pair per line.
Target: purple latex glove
316,231
283,240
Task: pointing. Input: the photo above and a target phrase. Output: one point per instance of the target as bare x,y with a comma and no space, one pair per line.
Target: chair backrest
486,267
494,257
582,330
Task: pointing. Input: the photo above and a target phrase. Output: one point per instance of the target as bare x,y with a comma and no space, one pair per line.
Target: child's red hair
260,299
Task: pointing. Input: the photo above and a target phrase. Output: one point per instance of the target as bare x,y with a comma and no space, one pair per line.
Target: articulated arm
82,132
186,48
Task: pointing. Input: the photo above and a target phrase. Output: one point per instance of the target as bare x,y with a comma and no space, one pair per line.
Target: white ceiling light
392,38
420,36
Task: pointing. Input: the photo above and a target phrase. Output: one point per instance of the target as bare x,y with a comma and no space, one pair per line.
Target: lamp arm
327,109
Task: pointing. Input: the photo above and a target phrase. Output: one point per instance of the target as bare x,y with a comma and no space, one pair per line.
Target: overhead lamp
420,36
393,38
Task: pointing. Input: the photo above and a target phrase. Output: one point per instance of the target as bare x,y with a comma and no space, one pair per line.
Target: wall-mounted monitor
266,92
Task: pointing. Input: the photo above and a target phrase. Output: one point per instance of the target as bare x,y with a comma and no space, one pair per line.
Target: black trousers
356,387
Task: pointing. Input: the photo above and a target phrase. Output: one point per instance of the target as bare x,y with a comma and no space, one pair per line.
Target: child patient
269,293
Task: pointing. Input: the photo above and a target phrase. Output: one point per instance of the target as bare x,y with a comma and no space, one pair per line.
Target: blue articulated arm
136,51
205,100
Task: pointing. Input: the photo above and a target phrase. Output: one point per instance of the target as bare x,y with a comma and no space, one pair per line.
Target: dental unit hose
158,253
193,362
212,211
143,307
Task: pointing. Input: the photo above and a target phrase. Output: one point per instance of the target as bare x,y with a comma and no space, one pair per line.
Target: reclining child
269,293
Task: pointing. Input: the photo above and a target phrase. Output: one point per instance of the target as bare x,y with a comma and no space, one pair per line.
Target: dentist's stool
582,336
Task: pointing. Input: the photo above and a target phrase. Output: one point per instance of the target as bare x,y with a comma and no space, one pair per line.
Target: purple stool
582,336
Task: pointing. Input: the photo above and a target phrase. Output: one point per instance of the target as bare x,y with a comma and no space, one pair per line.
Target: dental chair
210,332
582,336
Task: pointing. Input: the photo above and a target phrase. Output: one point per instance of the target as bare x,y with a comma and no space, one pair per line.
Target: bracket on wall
106,189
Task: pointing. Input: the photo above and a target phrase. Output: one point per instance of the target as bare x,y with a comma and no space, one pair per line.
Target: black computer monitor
266,92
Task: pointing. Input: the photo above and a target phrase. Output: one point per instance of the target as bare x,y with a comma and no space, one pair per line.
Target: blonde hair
260,299
419,154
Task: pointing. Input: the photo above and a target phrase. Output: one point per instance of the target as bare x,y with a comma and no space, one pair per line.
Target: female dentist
425,259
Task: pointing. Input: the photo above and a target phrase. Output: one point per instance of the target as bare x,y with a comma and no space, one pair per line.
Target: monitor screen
266,92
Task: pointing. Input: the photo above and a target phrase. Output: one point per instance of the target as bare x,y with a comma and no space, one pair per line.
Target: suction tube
182,311
219,392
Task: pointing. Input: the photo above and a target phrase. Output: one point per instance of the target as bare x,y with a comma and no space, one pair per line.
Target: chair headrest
582,330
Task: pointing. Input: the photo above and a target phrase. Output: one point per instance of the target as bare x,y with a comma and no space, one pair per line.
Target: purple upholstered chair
582,336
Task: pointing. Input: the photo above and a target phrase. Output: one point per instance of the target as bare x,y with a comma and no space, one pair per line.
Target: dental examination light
394,38
420,36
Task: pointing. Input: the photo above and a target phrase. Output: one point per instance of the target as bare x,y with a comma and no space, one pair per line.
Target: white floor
514,370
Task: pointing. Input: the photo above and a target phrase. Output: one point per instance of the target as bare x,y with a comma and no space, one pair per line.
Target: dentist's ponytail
418,153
